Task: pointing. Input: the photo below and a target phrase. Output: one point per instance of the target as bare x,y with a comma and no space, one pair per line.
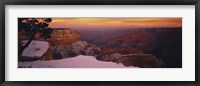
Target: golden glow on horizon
115,22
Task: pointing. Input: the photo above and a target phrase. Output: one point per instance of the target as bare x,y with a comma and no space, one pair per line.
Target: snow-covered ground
75,62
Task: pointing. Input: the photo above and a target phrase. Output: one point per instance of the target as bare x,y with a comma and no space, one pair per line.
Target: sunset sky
115,22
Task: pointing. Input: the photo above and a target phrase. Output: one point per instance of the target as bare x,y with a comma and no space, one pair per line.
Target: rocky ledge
128,57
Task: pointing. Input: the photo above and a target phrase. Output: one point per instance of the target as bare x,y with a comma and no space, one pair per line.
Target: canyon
144,48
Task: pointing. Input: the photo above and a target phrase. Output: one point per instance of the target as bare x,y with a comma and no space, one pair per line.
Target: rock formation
36,50
63,37
141,60
58,37
78,48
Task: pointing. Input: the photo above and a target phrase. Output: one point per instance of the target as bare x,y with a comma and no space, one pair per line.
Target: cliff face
58,37
63,37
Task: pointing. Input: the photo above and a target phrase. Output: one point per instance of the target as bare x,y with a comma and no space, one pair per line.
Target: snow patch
36,49
75,62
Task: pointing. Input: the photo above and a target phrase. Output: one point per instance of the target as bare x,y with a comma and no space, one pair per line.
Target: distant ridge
59,28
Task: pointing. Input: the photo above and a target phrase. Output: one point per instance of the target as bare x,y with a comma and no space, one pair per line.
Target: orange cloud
115,22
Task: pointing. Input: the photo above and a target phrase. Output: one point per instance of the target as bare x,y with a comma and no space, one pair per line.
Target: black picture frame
98,2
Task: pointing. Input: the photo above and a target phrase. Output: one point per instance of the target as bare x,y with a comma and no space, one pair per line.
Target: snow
75,62
36,49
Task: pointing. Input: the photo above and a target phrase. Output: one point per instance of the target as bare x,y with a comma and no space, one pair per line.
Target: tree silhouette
31,26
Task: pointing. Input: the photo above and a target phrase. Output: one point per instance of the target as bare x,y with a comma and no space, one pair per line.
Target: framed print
109,42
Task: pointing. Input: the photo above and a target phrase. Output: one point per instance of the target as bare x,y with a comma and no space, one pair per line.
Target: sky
115,22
